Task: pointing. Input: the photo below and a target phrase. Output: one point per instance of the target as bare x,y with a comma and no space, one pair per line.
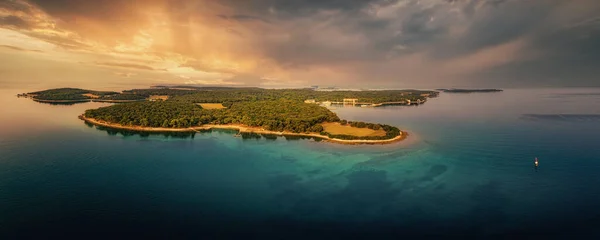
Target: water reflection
62,103
129,133
190,135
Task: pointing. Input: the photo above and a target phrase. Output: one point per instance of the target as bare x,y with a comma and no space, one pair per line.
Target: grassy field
211,105
336,128
159,97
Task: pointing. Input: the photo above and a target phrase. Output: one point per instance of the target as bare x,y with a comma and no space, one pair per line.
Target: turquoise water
467,169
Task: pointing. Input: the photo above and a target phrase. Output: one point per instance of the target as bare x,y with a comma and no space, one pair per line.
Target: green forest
271,109
76,94
257,94
68,94
228,95
279,115
124,96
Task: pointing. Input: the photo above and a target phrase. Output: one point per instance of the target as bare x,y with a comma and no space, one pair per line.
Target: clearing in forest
211,105
338,129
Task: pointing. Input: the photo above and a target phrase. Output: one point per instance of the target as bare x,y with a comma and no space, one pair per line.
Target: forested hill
278,115
257,94
271,109
68,94
226,95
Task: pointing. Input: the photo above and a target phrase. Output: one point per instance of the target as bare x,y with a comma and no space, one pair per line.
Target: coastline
61,101
242,129
117,101
86,100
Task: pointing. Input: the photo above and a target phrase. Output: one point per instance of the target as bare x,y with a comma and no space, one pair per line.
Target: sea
466,171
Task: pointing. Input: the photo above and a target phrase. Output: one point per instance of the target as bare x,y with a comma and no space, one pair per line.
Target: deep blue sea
465,170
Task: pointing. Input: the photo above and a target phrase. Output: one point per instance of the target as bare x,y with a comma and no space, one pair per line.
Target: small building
310,101
352,101
326,103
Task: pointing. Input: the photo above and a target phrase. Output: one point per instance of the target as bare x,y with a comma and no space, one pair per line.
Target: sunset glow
416,43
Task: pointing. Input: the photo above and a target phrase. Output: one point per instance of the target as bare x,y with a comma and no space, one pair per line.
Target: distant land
290,112
459,90
77,95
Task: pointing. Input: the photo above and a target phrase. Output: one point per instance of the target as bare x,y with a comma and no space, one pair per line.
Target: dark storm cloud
570,57
318,27
487,42
442,30
14,5
297,8
495,24
240,17
14,22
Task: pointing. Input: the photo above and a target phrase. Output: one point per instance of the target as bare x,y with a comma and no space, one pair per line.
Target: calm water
466,169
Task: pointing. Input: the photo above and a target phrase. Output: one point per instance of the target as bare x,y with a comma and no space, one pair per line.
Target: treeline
238,95
124,96
372,96
151,114
280,115
257,94
373,126
231,95
69,94
159,91
61,96
184,87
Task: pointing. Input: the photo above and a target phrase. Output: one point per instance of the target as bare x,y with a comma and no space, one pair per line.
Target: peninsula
77,95
283,112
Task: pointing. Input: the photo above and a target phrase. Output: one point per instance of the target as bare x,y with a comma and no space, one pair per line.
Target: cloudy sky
297,43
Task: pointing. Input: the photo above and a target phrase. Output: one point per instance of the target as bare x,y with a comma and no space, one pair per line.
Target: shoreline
32,97
86,100
61,101
243,129
117,101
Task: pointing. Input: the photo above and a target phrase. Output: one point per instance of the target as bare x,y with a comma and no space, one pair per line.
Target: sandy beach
241,129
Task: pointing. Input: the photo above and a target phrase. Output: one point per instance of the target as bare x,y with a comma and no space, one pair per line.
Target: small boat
536,162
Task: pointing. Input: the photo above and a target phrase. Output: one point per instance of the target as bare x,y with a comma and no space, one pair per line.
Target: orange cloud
277,42
125,65
20,49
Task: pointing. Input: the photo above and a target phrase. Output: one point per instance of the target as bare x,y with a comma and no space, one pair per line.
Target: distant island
76,95
289,112
457,90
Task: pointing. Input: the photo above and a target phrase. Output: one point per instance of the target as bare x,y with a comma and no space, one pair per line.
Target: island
77,95
458,90
279,112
